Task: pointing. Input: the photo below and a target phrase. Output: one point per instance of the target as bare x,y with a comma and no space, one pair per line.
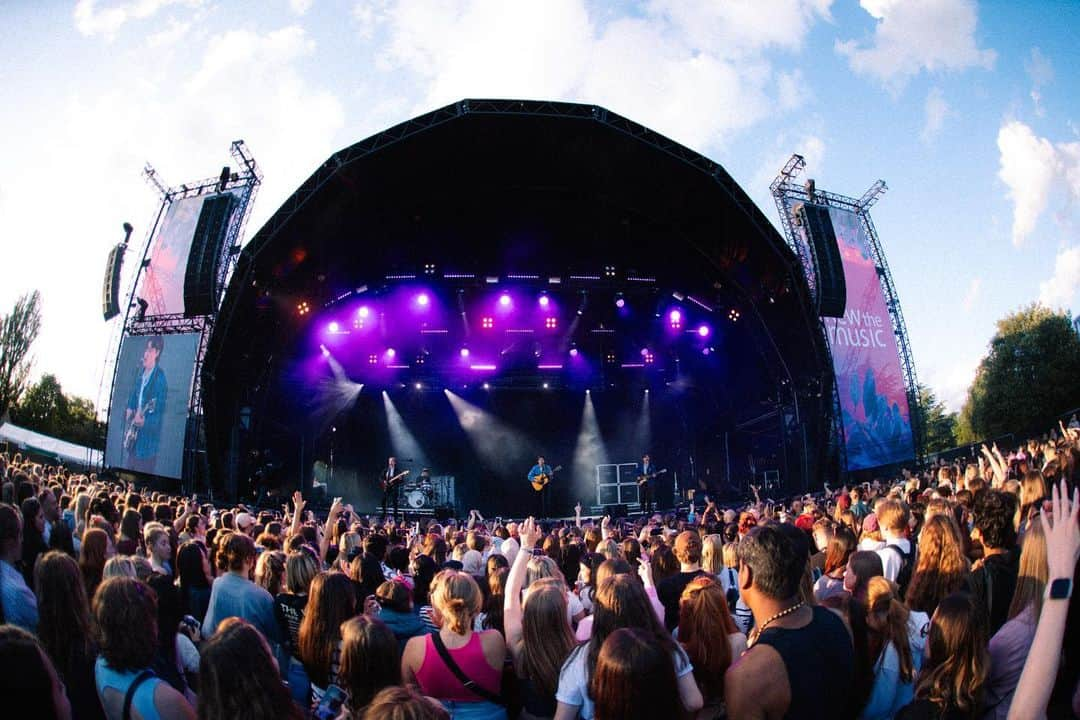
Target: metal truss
787,192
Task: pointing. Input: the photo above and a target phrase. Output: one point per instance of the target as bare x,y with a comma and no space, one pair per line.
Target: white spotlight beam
403,443
589,451
496,443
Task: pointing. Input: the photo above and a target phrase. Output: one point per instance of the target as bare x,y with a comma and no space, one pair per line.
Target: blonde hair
119,566
892,515
300,570
712,554
541,566
882,601
1034,573
456,598
731,555
609,549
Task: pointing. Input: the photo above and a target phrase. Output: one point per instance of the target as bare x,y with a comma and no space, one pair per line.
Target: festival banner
869,379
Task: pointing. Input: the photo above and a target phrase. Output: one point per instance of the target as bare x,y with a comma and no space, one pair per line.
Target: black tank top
820,664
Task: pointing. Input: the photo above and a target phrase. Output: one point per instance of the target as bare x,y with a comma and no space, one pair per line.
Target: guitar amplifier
607,494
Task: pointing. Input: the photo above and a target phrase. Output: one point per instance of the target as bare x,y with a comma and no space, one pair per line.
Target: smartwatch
1060,589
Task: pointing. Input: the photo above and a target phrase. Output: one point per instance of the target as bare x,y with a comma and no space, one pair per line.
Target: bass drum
416,499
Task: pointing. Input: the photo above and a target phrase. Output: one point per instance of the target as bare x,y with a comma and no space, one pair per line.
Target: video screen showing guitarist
145,410
540,477
391,480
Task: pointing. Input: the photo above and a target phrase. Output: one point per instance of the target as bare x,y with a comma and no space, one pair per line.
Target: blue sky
968,111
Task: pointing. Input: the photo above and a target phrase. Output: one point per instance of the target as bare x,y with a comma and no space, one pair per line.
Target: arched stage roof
529,187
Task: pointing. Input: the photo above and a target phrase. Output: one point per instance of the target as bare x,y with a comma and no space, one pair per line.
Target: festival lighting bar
459,276
434,331
631,278
484,367
699,303
549,367
632,365
522,277
401,277
585,277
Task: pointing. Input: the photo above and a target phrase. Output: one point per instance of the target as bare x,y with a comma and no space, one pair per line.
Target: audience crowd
943,593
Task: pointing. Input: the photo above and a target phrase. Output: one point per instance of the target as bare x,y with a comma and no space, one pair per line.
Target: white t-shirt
890,559
574,685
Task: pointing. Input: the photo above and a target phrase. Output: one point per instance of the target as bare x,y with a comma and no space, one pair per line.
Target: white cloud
1041,71
90,19
690,70
1060,290
300,7
972,294
792,90
951,382
915,35
937,111
1035,170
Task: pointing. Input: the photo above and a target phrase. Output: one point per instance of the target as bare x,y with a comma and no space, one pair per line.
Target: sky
970,112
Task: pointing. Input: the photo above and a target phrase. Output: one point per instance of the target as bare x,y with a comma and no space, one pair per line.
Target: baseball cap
244,521
688,541
870,523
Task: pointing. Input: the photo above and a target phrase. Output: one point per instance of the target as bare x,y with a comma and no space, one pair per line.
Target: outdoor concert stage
498,280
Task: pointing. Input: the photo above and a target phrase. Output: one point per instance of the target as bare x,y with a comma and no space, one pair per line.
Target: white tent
61,450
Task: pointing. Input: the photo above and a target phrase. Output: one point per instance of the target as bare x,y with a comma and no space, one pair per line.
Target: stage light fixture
504,301
544,301
487,323
464,352
551,323
418,386
734,315
487,386
546,386
703,331
373,359
423,300
620,301
364,312
334,327
675,319
325,352
391,353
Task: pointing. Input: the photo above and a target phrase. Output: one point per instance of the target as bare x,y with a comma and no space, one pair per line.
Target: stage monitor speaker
201,276
617,511
444,513
110,289
831,286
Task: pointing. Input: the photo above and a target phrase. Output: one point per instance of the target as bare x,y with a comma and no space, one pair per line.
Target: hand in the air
530,533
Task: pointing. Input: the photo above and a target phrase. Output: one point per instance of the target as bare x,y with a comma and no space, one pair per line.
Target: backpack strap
129,696
464,679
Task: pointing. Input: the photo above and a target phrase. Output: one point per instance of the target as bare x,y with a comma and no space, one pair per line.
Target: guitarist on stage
542,470
391,486
645,489
145,410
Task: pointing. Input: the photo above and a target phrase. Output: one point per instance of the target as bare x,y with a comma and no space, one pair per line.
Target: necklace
758,630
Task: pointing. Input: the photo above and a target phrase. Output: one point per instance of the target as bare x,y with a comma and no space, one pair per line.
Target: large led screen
149,410
873,395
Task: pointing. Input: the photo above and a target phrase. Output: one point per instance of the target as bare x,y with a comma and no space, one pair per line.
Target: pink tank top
436,679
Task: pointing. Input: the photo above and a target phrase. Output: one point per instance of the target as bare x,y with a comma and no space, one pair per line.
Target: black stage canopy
526,193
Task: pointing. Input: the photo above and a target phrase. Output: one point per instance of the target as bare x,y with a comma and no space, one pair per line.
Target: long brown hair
64,624
1034,573
238,679
634,678
621,602
546,638
887,619
370,660
704,626
839,549
330,602
941,568
95,543
957,662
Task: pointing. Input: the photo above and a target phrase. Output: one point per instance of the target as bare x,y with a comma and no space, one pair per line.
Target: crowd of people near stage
946,593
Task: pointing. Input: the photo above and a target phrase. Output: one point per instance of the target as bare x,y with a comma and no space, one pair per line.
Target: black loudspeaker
444,513
201,276
617,511
110,289
831,286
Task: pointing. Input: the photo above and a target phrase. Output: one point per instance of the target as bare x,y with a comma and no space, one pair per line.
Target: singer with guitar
646,483
391,480
540,477
145,410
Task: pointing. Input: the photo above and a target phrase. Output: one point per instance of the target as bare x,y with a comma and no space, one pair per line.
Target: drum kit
427,492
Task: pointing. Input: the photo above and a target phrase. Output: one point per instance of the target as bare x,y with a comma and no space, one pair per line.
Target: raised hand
605,522
530,533
577,509
1061,531
645,570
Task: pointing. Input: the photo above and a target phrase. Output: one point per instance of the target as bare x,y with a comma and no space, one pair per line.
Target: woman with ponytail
440,664
890,651
712,641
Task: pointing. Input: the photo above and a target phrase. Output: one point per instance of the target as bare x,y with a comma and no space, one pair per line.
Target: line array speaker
201,276
831,285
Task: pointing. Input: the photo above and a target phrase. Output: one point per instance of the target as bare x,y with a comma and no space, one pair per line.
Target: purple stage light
675,316
485,367
504,301
703,331
334,327
573,352
423,299
391,353
644,352
464,352
325,352
364,311
620,303
544,301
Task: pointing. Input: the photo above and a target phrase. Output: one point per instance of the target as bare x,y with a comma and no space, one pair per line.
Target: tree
938,426
1030,376
18,330
45,408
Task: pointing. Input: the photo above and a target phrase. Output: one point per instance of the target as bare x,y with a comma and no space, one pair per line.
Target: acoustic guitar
540,481
394,481
132,432
642,479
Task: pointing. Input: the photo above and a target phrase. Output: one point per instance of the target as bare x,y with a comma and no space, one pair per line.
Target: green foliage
1029,377
45,408
18,330
938,426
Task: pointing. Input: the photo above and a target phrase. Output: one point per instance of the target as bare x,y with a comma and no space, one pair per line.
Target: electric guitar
642,479
394,481
540,481
131,434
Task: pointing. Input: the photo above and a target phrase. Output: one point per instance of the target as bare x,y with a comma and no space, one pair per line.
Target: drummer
425,480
